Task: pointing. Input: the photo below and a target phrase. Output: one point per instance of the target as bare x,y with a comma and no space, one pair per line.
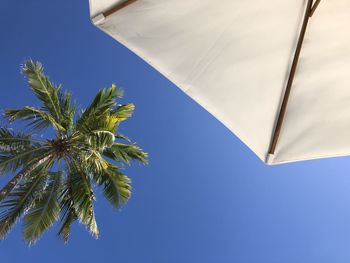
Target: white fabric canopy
234,57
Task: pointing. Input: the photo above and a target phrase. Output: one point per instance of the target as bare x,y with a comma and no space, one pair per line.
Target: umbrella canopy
276,73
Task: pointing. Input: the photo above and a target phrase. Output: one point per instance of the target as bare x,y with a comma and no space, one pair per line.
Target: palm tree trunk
17,178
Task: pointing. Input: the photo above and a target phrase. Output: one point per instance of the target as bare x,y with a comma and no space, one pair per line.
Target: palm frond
68,220
38,119
20,199
105,122
109,120
69,215
122,137
67,109
42,87
11,142
10,162
116,186
45,210
42,162
123,112
83,198
121,152
104,101
100,139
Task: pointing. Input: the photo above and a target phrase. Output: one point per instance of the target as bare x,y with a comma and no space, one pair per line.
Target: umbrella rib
286,96
314,7
118,7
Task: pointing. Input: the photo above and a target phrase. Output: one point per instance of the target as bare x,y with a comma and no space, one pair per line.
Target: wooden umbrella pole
308,13
118,7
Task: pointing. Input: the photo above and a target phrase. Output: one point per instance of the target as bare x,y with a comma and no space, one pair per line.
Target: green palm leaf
43,88
45,210
104,101
122,137
10,162
39,119
121,152
68,220
101,139
67,109
83,198
11,142
69,215
123,112
116,186
20,199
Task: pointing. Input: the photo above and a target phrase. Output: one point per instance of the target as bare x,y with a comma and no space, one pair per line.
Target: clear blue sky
205,197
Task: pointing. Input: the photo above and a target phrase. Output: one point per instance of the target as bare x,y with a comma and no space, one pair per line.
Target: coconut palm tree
54,179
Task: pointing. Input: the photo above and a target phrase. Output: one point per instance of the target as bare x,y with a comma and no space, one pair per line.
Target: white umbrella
239,60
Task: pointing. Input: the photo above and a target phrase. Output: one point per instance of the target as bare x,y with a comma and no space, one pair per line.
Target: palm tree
54,178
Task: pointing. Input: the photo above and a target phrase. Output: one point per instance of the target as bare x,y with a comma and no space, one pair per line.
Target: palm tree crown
54,178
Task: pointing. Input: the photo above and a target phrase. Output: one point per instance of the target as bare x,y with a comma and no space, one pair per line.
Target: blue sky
204,197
